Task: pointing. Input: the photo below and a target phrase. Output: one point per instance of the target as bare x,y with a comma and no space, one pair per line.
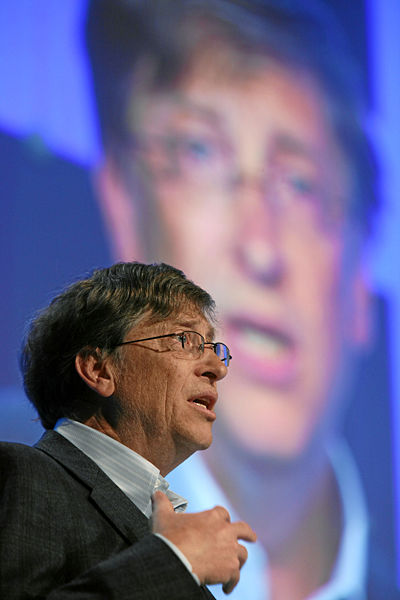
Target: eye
182,338
301,184
198,149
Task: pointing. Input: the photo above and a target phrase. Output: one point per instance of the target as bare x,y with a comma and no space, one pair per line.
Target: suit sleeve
148,570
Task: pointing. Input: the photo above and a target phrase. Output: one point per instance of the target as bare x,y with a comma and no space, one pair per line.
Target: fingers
238,530
243,531
228,587
209,540
242,555
222,513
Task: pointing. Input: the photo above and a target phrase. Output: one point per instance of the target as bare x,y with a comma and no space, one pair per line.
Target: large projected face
239,181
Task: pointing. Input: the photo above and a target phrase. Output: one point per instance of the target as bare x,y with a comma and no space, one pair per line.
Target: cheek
196,223
143,382
312,289
315,272
321,295
172,392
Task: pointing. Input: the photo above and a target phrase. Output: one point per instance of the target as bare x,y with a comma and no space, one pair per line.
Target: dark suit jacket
67,531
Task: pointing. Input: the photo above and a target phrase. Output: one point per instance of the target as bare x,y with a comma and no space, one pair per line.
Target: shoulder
37,491
29,471
17,458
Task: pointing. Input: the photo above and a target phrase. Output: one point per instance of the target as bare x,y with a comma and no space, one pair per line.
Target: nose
256,246
211,366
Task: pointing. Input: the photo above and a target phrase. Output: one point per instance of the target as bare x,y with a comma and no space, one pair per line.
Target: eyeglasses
207,160
191,344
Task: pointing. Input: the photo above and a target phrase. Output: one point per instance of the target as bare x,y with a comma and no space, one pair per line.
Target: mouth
204,403
264,352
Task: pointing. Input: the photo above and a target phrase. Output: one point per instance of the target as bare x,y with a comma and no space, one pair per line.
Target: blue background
51,231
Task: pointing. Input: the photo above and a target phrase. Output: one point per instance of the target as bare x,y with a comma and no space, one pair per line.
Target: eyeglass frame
179,335
333,211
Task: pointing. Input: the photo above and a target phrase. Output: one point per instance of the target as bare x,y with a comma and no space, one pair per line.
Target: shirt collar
349,573
134,475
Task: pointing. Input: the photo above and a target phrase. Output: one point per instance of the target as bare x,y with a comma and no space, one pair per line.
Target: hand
208,540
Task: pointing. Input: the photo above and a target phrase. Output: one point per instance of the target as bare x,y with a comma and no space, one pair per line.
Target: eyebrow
294,146
192,326
207,114
210,334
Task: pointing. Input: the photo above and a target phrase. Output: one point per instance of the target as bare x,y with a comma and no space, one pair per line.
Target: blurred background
52,229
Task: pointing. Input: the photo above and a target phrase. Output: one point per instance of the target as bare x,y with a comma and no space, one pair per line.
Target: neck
163,454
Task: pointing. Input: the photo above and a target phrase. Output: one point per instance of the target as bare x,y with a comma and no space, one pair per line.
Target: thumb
161,504
162,507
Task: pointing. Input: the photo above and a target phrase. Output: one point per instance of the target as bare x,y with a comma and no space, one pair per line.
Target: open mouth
265,352
205,403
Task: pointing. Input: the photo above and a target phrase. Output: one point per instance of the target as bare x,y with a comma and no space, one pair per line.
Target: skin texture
160,421
208,539
156,387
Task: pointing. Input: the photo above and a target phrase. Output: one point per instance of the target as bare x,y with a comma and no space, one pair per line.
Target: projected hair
122,35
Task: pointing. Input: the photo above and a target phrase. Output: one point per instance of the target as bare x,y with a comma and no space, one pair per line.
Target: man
236,128
123,374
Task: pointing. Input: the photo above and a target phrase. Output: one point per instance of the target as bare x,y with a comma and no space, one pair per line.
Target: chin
266,449
192,444
286,444
203,444
283,452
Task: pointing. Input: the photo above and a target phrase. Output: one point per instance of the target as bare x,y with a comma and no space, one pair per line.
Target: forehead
192,322
186,319
262,106
222,75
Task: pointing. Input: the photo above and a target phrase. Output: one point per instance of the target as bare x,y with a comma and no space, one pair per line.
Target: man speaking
122,370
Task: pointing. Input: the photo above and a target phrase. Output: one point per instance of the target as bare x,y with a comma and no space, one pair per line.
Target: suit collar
132,473
111,501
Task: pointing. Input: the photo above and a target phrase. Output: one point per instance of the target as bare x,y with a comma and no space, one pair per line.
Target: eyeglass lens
194,343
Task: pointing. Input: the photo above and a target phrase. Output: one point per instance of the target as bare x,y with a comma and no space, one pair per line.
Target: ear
96,373
361,317
119,211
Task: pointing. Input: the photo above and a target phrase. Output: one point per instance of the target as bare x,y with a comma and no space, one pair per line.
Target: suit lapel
110,500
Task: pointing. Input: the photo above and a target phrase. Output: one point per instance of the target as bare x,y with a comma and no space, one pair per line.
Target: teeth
260,341
201,402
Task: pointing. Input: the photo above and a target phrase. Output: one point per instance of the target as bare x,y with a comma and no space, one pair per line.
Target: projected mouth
265,352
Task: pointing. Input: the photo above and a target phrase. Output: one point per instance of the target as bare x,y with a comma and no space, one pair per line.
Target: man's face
245,183
166,394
